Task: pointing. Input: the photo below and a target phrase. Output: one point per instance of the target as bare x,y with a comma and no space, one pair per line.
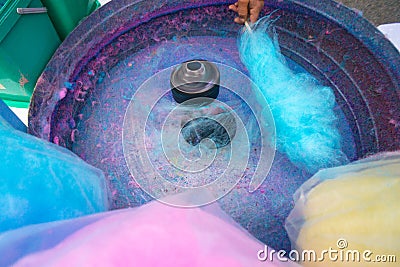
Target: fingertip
239,20
233,8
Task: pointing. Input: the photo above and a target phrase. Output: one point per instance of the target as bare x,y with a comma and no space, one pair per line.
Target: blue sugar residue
303,110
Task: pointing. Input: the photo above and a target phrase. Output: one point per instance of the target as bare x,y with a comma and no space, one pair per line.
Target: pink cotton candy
157,235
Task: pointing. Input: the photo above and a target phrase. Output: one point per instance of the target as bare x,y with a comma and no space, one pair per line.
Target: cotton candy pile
154,234
302,109
352,209
41,182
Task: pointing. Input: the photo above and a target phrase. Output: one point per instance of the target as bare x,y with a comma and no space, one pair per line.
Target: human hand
247,9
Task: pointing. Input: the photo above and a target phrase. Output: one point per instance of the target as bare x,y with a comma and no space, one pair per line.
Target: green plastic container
27,42
66,14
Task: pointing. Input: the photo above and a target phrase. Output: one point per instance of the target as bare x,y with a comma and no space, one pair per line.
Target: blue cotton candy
41,182
302,109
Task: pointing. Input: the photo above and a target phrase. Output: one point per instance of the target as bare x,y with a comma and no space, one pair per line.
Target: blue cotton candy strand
302,109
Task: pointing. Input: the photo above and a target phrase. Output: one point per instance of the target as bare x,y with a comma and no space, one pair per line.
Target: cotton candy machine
83,96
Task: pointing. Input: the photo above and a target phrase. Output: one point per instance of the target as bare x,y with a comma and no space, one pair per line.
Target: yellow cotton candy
356,204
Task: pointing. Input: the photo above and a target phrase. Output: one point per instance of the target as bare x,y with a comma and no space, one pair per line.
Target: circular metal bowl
331,42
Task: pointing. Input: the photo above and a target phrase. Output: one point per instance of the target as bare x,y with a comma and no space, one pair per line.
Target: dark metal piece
195,78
